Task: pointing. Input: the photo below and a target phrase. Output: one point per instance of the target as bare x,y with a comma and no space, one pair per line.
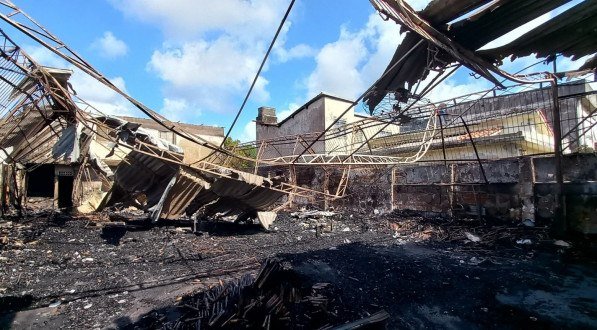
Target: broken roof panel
573,33
444,11
415,66
187,186
497,19
173,189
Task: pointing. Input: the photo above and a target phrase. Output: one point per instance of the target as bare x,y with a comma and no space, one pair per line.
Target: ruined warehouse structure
332,152
485,188
51,184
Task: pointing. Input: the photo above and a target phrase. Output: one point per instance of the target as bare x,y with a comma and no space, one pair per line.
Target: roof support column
560,225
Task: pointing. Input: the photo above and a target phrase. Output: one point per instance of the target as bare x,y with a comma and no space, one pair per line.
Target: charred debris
472,212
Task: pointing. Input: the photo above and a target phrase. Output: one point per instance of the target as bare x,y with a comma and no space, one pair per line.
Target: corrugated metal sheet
14,131
498,19
67,147
143,173
414,67
261,198
173,190
225,187
188,185
193,190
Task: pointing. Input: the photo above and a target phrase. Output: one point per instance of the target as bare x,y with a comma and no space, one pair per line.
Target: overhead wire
257,74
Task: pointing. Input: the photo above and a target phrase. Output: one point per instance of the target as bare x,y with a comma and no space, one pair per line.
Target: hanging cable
269,50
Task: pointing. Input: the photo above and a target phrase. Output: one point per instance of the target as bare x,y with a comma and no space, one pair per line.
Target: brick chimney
266,116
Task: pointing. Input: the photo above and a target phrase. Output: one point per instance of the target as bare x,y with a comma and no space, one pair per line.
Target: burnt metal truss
408,18
203,166
26,24
32,103
30,27
571,34
327,159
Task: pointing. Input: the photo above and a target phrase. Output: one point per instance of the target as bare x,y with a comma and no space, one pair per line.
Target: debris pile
411,227
277,298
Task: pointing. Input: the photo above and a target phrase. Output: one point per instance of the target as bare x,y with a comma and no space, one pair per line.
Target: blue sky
193,60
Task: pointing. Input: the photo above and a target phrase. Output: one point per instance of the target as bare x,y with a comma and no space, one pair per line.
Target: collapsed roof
41,122
449,31
171,189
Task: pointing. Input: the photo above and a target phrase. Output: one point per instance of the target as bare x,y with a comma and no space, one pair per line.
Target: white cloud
209,74
384,38
532,64
101,97
260,92
347,66
337,71
521,63
285,113
299,51
567,64
183,19
450,89
109,46
178,110
295,52
44,57
196,63
249,132
212,49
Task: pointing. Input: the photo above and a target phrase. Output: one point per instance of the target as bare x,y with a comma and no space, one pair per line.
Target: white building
292,135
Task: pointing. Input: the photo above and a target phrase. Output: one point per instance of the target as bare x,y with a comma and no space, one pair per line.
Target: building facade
293,134
501,126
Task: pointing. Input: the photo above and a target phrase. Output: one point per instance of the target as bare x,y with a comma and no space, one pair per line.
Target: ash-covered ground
60,271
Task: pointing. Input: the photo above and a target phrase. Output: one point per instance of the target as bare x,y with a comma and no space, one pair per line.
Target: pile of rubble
277,298
408,227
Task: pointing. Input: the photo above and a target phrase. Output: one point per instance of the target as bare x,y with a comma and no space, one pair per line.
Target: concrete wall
580,189
313,118
194,152
519,188
455,188
308,120
367,190
333,109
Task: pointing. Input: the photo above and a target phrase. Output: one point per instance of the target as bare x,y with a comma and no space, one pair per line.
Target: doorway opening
65,191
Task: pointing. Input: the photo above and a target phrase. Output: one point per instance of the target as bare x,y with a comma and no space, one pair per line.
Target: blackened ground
63,272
